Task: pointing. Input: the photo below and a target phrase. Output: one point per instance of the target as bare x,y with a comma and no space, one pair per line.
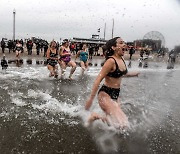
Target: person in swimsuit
52,59
65,59
83,55
18,49
112,71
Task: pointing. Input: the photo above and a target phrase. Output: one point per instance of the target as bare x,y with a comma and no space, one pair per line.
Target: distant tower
14,14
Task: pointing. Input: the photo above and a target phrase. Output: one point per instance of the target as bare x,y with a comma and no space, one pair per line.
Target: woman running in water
65,59
18,49
83,54
52,59
113,70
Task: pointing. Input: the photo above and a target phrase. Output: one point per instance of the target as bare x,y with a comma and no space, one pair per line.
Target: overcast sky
55,19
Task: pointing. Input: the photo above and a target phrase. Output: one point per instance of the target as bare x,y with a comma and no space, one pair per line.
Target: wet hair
65,41
52,43
107,48
83,45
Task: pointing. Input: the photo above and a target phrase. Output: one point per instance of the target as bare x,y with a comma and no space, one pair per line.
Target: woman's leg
51,69
82,66
55,71
17,54
115,115
73,65
63,68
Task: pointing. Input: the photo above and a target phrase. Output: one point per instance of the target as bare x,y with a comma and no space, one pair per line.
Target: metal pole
113,28
14,13
105,31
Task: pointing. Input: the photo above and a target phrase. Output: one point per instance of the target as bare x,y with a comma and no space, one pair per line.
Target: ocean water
44,115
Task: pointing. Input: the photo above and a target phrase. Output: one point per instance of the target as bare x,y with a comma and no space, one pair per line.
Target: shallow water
39,114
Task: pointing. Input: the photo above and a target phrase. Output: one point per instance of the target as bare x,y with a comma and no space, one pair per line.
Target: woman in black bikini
52,59
108,95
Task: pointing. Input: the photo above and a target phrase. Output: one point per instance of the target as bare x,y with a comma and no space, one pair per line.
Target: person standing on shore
131,52
52,59
4,63
113,70
45,46
29,46
3,45
91,51
65,59
83,54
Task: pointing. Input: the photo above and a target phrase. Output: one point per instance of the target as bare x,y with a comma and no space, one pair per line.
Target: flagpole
113,28
105,31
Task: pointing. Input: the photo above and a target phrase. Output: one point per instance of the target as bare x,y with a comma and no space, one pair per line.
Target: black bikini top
53,54
117,73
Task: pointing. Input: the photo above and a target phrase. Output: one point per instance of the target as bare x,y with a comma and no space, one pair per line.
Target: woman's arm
21,48
61,51
107,67
48,53
131,74
77,55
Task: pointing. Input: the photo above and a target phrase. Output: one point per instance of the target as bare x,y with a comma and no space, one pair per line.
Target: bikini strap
115,62
124,62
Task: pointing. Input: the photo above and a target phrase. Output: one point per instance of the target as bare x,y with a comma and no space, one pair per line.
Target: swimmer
65,59
113,70
52,59
83,55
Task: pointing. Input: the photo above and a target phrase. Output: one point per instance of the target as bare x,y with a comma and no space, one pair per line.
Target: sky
59,19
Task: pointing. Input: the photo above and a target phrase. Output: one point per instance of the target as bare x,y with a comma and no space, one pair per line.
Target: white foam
53,105
18,102
41,72
4,114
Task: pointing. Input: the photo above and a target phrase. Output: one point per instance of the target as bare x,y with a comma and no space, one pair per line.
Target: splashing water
54,110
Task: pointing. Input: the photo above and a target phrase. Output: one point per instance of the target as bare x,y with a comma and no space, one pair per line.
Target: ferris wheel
155,35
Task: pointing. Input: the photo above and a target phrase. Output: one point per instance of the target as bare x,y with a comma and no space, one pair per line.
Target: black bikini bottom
52,62
112,92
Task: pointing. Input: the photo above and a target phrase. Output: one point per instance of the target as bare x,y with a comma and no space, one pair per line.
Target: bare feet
83,70
70,78
56,76
94,116
51,74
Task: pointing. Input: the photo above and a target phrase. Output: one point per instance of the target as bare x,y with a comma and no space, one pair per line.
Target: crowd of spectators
38,46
